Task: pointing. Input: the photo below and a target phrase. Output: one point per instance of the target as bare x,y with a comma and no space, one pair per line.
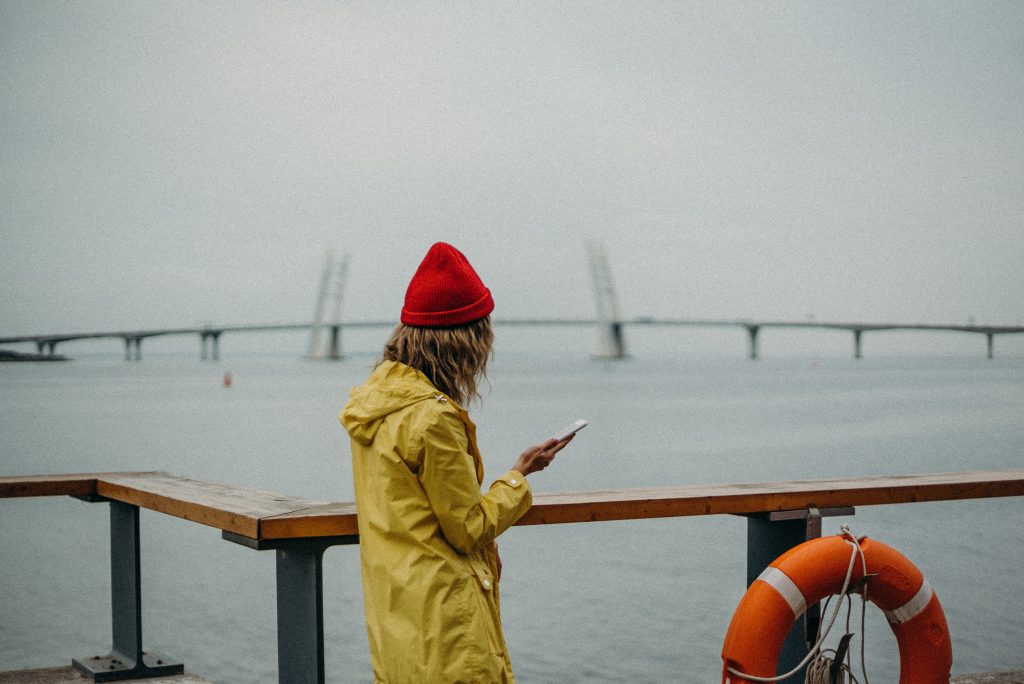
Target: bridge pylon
330,294
609,326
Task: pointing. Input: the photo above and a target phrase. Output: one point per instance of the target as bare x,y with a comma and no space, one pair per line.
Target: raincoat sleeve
469,519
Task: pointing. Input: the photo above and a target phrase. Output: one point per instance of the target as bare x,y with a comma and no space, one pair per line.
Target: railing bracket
322,543
90,498
112,668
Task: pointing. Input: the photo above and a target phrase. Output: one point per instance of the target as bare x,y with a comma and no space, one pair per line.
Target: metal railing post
769,535
300,615
300,602
126,660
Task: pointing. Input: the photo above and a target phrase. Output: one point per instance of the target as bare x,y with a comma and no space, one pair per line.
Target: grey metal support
216,345
300,603
989,336
769,535
126,660
300,615
856,343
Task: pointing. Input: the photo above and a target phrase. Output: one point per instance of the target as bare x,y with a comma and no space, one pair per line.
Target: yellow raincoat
426,533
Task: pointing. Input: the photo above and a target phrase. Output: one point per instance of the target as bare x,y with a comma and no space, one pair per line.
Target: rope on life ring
823,567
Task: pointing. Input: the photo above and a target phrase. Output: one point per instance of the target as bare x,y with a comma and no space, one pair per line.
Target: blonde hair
453,359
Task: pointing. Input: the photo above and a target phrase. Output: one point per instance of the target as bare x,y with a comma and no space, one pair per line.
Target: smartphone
570,430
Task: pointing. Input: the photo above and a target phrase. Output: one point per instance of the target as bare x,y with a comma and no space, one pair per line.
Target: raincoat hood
390,388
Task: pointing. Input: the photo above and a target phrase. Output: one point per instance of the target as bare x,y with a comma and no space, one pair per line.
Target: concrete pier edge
1006,677
69,675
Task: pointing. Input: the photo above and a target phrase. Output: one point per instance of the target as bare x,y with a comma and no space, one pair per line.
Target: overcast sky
172,163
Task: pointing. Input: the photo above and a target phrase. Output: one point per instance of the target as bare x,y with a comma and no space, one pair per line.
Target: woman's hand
539,456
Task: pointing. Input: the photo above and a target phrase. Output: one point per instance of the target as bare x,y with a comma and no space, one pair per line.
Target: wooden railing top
265,516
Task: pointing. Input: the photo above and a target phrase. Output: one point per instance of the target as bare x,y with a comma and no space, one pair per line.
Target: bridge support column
51,347
616,344
126,660
856,344
40,345
128,355
989,336
769,535
334,349
214,346
753,330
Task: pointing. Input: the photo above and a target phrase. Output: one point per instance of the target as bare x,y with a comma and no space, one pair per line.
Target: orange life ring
815,569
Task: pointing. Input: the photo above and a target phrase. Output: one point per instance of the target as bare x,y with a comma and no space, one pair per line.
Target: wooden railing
780,515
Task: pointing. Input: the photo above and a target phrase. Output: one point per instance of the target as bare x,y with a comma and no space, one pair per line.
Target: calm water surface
645,601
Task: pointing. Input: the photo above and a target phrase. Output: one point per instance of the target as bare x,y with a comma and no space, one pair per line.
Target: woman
430,566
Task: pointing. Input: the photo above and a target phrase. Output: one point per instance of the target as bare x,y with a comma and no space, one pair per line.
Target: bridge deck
261,515
639,320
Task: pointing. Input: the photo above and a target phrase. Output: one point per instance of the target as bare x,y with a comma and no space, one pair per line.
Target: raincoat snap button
487,584
513,482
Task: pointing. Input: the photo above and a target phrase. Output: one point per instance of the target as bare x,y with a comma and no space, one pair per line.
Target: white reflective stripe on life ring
780,582
913,607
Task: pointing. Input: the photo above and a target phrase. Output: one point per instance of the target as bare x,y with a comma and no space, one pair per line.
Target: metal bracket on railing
771,534
126,659
300,602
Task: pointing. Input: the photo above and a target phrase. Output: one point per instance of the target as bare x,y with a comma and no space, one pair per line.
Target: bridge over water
329,322
611,332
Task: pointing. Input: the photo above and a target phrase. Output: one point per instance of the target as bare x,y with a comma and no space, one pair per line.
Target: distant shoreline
8,355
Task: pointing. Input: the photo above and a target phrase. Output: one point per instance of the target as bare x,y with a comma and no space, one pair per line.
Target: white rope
863,615
820,670
814,652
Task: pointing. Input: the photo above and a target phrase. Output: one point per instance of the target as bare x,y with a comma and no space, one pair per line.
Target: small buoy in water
227,378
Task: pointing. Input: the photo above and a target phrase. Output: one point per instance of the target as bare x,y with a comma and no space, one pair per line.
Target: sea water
637,601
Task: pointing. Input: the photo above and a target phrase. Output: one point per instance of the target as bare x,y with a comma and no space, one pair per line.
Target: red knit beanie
445,291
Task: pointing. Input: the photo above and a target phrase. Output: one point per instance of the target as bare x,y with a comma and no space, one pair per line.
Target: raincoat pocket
487,595
483,574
